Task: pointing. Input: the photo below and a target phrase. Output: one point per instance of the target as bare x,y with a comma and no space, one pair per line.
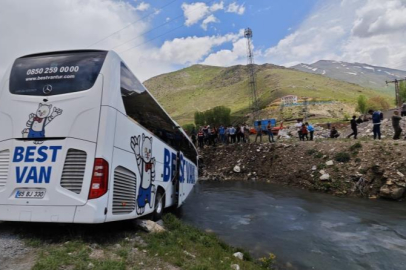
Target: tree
199,119
402,91
377,103
188,128
219,115
362,104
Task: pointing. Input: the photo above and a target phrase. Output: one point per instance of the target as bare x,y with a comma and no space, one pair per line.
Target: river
305,230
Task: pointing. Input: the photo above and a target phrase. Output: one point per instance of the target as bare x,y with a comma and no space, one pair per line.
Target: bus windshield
55,74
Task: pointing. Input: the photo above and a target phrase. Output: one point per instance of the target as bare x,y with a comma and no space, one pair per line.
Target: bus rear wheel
158,206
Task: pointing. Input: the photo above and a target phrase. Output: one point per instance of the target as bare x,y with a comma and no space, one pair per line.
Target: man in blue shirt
377,116
310,128
222,134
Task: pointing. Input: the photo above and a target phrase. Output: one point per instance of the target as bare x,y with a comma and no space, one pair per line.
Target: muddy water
306,230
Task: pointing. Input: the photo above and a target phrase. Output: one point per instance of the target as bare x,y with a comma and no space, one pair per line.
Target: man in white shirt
298,127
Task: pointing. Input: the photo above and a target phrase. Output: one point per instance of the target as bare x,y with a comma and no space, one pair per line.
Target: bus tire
158,206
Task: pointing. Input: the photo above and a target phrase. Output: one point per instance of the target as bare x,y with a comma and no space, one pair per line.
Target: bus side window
142,107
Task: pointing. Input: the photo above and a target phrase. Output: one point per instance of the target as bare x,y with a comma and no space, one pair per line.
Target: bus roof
59,52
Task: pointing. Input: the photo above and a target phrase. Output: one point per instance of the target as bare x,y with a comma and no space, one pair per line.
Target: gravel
11,246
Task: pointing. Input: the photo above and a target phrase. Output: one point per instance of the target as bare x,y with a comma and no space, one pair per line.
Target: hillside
199,88
362,74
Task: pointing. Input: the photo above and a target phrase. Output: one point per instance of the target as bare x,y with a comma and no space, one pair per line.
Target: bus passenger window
144,109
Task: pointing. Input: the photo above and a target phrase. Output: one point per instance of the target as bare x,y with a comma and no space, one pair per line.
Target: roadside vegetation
120,246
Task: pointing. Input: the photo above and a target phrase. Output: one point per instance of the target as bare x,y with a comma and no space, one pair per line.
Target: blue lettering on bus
187,170
34,174
167,167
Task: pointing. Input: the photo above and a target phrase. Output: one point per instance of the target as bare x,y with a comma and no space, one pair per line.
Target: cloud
210,19
142,6
235,8
195,12
217,6
190,50
236,56
38,26
369,31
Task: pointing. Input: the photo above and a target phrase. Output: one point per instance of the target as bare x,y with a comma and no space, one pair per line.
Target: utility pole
397,91
251,71
305,109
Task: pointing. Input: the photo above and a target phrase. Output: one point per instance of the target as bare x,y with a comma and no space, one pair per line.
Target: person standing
304,132
222,133
404,109
242,132
259,132
310,128
298,127
270,134
247,133
232,134
193,135
376,120
354,127
396,125
200,138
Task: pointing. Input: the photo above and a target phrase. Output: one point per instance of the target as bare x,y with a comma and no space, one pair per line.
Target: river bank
343,167
116,246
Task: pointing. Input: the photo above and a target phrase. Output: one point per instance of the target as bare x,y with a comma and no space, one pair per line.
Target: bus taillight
100,179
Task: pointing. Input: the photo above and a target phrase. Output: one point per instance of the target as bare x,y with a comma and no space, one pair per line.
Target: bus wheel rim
159,206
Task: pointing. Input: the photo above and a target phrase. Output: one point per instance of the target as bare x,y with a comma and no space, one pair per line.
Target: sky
160,36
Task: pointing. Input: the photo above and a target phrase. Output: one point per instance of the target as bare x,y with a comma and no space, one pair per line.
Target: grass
118,246
199,88
209,251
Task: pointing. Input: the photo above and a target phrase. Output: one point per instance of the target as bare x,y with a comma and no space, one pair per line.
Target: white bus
83,141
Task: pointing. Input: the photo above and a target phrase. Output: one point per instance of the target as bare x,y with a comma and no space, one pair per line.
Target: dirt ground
344,167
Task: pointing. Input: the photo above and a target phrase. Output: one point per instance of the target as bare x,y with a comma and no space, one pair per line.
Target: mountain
200,87
362,74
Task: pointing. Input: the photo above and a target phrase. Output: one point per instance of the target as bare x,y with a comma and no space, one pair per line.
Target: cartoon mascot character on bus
146,167
37,121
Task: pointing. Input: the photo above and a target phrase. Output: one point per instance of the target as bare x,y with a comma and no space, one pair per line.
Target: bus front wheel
159,206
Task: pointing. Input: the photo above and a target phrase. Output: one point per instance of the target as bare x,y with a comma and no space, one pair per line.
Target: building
290,99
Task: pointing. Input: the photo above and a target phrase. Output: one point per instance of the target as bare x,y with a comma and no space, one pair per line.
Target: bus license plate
30,193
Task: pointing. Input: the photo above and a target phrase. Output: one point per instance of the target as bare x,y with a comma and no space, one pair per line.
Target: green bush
342,157
356,146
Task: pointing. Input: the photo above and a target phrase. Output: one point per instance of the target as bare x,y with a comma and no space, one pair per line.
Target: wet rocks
392,192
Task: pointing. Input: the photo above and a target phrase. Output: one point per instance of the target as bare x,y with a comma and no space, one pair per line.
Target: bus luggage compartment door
52,173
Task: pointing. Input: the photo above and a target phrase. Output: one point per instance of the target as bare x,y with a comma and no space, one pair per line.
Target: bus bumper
60,214
89,213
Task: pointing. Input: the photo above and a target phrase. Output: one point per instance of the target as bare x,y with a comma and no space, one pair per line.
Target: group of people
208,135
304,130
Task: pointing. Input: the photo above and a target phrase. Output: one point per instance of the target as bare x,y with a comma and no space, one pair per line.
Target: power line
125,27
153,38
159,26
149,31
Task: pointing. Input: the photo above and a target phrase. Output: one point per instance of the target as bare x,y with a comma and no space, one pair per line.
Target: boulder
149,226
235,267
330,163
237,169
239,255
325,177
392,192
